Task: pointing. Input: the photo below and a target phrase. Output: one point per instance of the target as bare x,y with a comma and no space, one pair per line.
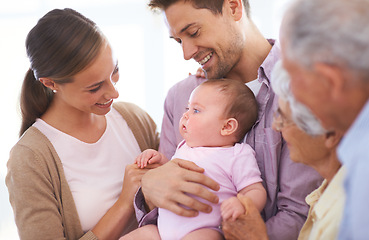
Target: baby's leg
204,234
149,232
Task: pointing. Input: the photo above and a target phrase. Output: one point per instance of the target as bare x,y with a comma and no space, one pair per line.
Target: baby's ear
229,127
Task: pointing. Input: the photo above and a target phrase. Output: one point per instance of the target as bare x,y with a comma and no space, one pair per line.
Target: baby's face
202,123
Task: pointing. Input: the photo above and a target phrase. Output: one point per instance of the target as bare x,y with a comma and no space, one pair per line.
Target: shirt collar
329,194
267,66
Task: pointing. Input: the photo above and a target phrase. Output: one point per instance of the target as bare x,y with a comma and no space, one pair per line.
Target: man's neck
247,70
255,52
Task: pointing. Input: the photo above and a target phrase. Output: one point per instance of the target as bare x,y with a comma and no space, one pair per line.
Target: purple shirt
287,183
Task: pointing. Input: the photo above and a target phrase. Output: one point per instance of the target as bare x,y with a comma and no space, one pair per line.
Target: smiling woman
16,21
69,130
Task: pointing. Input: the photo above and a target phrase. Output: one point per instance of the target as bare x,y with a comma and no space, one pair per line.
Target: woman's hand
132,181
120,216
168,187
247,226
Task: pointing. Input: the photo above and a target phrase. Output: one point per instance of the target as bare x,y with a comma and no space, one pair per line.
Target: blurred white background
150,63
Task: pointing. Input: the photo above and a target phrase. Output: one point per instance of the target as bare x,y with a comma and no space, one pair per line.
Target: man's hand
247,226
169,186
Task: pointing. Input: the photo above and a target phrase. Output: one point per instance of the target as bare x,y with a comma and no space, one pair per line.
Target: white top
94,171
255,86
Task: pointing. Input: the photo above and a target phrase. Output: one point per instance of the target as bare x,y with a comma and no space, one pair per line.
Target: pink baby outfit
234,168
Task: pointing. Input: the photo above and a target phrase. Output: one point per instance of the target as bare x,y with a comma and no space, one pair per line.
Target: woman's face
93,89
303,147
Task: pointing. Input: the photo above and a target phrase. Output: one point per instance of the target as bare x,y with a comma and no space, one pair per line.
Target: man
326,51
221,36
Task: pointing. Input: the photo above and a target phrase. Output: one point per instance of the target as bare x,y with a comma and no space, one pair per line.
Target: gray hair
301,115
334,32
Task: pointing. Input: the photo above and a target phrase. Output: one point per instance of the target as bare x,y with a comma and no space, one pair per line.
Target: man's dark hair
215,6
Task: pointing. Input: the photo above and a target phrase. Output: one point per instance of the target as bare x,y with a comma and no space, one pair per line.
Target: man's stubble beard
230,58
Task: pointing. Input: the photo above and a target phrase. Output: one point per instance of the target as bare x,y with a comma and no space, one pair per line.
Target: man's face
211,40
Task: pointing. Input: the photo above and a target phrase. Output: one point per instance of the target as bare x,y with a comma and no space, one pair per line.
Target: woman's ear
332,139
49,83
229,127
235,8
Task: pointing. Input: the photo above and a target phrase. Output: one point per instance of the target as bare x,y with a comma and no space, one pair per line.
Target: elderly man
325,49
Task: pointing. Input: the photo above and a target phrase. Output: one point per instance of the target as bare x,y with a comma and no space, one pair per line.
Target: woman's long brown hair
62,44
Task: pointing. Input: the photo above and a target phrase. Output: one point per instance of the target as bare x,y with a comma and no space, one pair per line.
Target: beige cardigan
42,202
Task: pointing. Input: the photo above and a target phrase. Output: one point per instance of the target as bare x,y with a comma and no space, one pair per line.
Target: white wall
150,63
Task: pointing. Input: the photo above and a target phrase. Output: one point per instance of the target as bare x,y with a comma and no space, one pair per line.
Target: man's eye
194,34
178,40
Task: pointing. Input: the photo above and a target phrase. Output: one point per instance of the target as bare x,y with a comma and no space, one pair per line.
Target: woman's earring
54,91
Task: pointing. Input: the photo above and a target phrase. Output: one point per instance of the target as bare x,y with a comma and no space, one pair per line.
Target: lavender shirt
287,183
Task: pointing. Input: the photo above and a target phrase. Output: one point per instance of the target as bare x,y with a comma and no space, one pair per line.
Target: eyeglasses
280,121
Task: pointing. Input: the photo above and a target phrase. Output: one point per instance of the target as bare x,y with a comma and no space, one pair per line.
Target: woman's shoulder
32,138
32,143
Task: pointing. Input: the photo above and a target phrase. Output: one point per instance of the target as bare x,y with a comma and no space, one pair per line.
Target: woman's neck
87,127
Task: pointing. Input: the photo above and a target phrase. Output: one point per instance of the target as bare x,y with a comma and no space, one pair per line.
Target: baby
220,112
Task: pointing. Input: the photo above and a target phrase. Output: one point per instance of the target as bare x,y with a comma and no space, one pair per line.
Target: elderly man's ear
332,139
333,77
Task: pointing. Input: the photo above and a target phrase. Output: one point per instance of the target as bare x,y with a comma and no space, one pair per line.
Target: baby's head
220,113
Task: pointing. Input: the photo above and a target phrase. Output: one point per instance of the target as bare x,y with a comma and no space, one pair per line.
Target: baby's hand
231,209
200,73
150,156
